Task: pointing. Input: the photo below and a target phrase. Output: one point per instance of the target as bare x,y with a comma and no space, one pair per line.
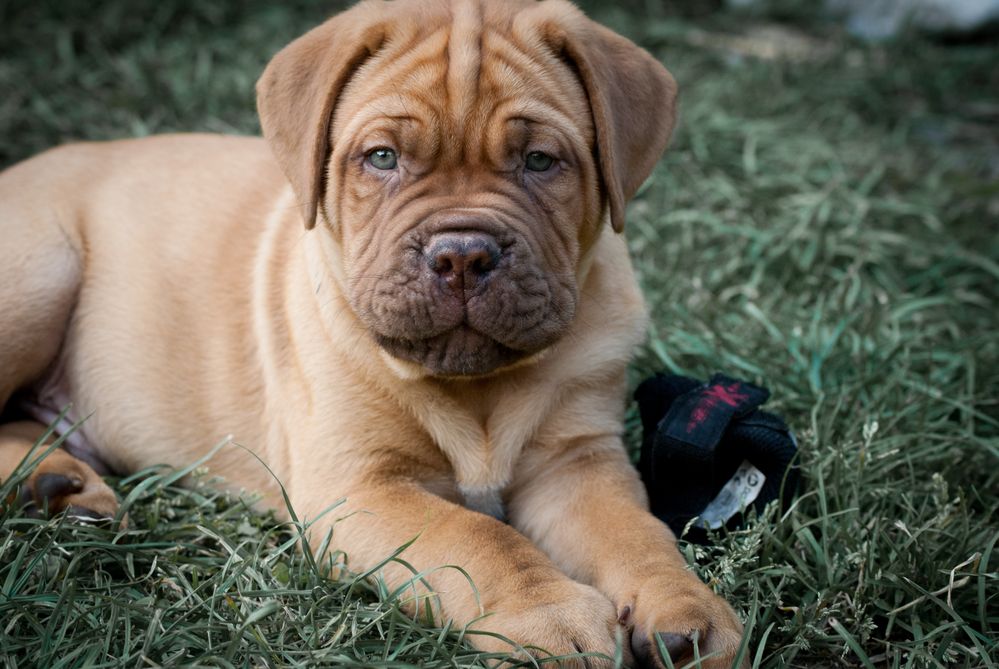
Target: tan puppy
443,342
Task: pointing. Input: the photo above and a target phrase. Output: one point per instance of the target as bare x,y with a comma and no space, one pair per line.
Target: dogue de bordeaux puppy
412,294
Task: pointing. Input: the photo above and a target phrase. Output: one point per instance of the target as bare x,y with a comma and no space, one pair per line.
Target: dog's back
116,264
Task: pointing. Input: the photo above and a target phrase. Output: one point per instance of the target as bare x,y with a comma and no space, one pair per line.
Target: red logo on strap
711,397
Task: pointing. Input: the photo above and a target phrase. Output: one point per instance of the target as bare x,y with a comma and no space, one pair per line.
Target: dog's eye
383,159
538,162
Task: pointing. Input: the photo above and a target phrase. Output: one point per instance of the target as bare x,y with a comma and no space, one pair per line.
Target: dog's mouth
494,317
460,352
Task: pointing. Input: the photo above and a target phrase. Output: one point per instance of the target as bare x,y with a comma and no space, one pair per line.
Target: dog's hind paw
63,483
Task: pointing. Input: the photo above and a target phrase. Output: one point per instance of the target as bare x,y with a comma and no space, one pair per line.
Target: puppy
411,294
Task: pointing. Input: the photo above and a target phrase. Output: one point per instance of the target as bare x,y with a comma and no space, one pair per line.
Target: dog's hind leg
41,268
40,271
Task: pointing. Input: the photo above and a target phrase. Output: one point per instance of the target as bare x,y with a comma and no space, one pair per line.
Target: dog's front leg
583,503
524,597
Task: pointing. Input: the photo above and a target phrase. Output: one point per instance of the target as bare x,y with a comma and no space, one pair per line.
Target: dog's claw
83,513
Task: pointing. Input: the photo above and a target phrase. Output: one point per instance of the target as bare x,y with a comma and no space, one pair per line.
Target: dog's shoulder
612,316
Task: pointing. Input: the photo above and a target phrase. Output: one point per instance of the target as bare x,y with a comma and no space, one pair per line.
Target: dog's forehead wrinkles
464,59
449,66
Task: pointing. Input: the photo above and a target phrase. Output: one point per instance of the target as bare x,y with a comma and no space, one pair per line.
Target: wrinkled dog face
461,154
465,190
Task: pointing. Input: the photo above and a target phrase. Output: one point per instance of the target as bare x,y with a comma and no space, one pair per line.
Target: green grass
826,225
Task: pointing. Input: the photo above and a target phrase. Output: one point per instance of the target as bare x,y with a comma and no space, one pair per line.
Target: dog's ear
298,90
632,98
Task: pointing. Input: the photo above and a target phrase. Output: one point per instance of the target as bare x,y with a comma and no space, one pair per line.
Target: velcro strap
696,421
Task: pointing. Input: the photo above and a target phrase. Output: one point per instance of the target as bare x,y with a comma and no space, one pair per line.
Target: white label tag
740,491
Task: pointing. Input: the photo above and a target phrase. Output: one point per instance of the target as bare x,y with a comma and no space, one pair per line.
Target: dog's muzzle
465,300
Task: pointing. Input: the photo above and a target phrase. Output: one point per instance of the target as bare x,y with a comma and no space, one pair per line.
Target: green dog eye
538,161
383,159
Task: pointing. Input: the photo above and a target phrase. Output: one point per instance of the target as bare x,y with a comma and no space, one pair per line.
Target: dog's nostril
483,260
443,265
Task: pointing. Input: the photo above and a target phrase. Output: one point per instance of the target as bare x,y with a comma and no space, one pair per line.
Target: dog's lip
501,356
462,328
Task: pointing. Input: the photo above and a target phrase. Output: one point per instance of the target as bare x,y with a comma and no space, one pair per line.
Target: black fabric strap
696,420
696,436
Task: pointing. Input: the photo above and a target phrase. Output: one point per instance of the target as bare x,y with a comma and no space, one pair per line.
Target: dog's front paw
567,619
673,616
63,483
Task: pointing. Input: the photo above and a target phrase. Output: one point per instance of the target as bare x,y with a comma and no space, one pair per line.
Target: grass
826,223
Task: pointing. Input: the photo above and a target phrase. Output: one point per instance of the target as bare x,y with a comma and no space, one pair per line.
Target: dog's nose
462,259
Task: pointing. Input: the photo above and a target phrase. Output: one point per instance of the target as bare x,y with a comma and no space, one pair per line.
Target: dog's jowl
412,293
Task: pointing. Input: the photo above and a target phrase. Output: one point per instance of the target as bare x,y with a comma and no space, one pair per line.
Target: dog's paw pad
54,486
647,651
678,646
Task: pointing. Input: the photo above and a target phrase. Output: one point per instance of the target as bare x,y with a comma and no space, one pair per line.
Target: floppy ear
632,97
298,90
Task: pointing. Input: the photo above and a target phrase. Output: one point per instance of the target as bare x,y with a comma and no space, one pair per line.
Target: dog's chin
461,352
